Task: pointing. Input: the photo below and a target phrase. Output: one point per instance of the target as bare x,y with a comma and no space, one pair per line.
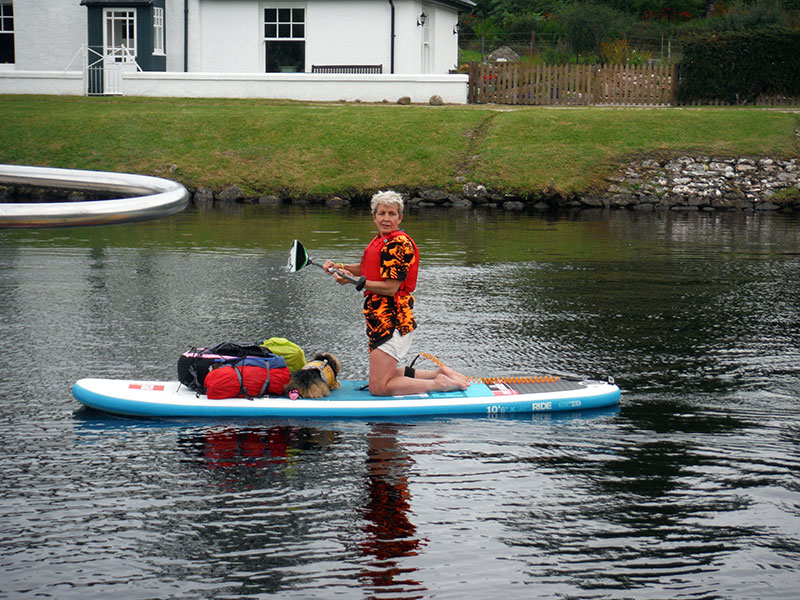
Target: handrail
158,198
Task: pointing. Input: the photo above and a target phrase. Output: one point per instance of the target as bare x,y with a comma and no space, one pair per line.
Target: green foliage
588,24
738,66
619,52
540,26
787,197
740,16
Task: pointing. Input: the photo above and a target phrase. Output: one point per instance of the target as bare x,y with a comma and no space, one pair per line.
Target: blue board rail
171,399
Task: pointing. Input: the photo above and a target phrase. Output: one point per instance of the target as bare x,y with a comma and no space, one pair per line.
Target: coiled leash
520,379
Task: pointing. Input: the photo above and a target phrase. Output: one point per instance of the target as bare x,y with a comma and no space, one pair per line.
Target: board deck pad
559,385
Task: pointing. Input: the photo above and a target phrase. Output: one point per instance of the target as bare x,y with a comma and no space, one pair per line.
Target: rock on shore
682,183
706,183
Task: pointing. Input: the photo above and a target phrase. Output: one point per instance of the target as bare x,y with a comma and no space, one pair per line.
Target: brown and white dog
316,379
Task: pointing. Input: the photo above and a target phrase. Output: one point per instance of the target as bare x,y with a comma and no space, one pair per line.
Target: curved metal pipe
158,198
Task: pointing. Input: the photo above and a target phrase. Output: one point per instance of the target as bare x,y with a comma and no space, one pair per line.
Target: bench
354,69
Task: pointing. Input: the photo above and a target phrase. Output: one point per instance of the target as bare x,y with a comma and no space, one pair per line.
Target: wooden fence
571,85
576,85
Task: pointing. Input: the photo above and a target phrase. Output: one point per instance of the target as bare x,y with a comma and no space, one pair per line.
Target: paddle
299,258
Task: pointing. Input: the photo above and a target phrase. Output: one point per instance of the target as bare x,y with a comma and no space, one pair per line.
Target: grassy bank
304,148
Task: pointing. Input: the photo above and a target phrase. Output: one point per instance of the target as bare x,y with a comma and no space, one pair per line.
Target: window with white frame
158,30
119,35
7,33
284,39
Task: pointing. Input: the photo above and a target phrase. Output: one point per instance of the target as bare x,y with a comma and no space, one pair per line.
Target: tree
588,24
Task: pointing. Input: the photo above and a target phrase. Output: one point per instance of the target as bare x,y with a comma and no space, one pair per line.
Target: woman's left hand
339,278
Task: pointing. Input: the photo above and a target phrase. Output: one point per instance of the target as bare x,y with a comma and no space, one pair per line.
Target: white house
309,49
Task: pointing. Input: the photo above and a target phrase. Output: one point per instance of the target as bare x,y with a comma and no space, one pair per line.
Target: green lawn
327,148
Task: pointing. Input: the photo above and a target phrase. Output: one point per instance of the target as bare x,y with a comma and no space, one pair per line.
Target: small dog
316,379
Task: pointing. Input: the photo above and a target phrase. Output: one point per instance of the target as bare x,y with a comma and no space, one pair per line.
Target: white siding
355,32
231,37
173,32
226,36
350,32
409,37
48,34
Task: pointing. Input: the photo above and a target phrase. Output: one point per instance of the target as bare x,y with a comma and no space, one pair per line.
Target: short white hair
389,197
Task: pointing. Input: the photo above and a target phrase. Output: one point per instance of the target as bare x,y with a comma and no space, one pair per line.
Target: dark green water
688,490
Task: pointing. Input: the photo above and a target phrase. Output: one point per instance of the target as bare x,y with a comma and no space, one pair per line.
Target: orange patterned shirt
397,258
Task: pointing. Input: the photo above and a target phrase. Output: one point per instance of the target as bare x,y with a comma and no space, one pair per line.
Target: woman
390,263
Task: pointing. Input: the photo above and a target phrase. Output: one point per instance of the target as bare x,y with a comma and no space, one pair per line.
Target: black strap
264,387
240,377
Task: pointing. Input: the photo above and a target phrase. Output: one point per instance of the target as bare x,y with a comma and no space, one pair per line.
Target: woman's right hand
332,268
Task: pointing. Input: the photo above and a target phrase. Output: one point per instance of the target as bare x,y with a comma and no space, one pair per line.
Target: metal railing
102,73
157,198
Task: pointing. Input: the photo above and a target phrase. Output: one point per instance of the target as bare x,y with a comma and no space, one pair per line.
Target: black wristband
409,372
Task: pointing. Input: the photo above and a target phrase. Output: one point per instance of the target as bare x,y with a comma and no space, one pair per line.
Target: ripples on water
688,490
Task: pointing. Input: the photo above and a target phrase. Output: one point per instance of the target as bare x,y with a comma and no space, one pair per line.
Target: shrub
587,24
737,67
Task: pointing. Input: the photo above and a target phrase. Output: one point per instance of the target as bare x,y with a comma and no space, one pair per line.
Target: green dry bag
292,353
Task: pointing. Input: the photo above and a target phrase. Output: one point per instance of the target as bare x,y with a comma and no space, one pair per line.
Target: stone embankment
706,183
682,184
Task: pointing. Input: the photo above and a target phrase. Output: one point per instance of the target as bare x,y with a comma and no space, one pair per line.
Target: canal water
689,489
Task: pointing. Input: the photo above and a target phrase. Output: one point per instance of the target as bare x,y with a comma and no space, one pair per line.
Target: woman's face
387,218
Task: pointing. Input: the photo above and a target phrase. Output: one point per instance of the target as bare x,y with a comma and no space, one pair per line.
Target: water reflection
389,533
232,449
277,463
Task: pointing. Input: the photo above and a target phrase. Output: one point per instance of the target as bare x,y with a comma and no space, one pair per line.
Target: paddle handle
358,281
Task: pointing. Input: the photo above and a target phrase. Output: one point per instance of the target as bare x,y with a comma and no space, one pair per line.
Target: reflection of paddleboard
171,399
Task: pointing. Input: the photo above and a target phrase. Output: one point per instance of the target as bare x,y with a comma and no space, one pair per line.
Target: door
119,46
427,40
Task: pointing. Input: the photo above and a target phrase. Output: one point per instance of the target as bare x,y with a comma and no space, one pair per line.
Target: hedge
736,67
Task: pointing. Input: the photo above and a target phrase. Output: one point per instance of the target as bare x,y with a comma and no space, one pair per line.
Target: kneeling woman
390,264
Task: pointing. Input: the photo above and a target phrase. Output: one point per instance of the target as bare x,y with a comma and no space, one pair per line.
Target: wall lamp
456,28
421,19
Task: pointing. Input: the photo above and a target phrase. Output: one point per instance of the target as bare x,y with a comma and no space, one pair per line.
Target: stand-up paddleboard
172,399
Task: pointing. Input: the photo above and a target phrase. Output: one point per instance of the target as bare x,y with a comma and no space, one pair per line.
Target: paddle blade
298,257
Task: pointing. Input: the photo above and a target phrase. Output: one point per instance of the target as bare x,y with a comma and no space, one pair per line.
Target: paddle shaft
299,258
358,281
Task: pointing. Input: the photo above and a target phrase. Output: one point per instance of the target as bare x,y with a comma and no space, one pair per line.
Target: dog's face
327,365
333,363
317,378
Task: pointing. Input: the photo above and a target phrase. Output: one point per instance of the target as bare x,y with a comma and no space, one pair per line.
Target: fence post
589,70
673,84
471,83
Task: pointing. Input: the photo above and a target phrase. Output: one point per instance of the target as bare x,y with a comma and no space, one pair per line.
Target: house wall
227,36
447,42
440,21
225,40
351,32
48,34
231,36
173,34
